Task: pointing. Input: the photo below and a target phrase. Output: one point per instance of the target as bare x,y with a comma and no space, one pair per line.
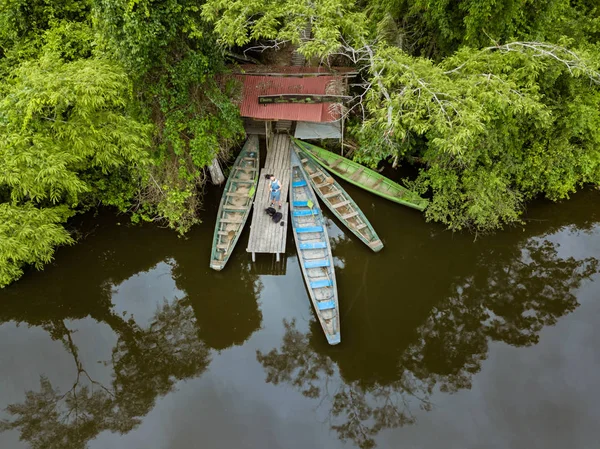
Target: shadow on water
209,311
90,273
428,330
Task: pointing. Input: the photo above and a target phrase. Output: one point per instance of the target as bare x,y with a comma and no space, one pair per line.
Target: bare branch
274,45
571,60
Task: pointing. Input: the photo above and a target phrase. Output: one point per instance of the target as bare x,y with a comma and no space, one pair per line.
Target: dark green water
130,341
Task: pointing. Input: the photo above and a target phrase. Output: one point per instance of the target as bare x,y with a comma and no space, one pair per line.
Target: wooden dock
265,235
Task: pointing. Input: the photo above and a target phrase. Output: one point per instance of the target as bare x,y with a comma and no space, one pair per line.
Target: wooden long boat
338,201
314,252
363,177
236,203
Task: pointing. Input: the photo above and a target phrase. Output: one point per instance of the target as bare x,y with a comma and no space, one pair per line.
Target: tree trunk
216,174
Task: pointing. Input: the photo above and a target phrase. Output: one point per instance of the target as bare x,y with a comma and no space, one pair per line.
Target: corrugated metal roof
253,86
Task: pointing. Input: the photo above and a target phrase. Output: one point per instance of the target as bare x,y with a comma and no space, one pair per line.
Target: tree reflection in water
147,360
225,305
146,364
357,413
507,297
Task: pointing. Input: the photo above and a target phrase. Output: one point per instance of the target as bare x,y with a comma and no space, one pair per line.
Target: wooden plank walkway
266,236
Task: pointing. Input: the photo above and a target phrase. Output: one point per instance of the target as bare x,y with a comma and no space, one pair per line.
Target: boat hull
341,204
236,203
363,177
314,252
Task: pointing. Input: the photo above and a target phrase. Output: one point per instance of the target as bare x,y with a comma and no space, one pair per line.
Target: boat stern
376,245
218,266
334,339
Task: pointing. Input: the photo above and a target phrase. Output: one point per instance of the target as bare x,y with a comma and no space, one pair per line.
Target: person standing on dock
275,186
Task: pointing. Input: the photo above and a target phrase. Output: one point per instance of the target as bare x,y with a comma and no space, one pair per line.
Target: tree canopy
494,127
497,100
105,102
121,103
242,22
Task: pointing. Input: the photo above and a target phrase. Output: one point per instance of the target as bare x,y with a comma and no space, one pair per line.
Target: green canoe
363,177
236,203
338,201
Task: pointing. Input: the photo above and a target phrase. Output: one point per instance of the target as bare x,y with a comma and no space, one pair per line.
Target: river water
129,340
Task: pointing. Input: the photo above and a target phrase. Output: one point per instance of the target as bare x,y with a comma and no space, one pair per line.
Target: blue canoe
314,251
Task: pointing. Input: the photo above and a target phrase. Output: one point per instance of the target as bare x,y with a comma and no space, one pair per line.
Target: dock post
253,257
267,134
277,257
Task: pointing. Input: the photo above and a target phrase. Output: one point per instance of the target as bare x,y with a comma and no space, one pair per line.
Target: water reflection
419,318
146,363
356,412
148,359
508,299
225,304
509,295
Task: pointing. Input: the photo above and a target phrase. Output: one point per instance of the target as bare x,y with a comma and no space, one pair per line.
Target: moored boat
236,203
338,201
314,251
363,177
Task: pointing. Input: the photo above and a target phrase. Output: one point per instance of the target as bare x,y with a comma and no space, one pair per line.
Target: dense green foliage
62,121
120,102
29,235
499,101
495,127
104,103
244,21
173,58
67,135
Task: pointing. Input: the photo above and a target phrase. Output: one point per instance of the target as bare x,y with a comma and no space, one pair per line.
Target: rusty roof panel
254,86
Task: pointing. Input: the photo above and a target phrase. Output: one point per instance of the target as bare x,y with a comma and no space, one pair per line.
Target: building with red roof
261,83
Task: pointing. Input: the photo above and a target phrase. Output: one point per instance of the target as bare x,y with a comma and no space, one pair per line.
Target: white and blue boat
314,251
